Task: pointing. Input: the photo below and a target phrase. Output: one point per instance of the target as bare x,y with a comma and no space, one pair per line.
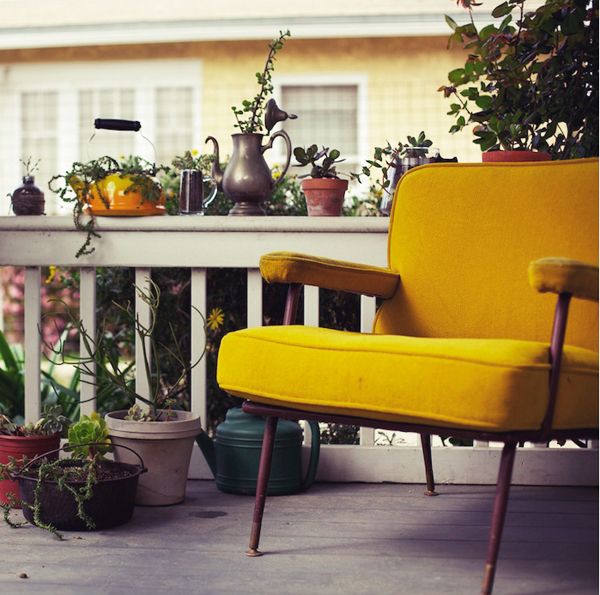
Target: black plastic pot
111,505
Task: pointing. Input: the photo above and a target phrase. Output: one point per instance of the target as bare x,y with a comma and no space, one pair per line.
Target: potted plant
529,83
28,199
247,179
159,430
19,442
84,492
108,187
191,167
393,162
324,190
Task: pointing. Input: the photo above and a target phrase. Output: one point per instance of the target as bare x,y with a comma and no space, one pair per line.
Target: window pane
174,122
105,103
39,137
327,115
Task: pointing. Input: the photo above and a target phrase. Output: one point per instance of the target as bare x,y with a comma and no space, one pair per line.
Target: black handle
111,124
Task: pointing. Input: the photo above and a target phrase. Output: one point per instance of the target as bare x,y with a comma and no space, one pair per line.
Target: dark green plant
386,157
531,81
77,186
249,117
312,155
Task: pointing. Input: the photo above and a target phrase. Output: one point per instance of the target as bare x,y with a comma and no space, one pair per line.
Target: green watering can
234,455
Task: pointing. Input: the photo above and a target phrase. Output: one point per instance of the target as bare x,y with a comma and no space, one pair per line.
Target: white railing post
198,345
142,313
255,315
367,317
311,305
32,352
87,314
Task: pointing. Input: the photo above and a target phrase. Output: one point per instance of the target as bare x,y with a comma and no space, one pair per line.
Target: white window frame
360,80
67,79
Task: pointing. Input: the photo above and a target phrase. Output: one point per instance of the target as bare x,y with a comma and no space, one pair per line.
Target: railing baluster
198,339
142,313
367,317
254,298
33,313
311,305
87,314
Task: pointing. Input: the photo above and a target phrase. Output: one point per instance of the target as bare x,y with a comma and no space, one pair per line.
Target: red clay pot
514,156
324,196
17,447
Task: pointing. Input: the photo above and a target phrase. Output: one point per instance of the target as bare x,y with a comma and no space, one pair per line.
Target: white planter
165,447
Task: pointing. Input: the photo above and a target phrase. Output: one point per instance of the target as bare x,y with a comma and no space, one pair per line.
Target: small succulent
89,429
52,422
312,155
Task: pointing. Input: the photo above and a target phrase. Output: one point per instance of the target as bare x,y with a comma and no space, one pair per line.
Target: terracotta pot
165,447
18,447
324,196
514,156
121,201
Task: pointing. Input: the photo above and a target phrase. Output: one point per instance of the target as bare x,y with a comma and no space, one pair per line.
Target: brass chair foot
253,553
431,493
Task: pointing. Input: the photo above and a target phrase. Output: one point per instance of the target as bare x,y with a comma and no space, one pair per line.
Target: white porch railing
205,242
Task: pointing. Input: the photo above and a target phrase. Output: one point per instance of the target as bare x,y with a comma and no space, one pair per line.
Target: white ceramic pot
165,447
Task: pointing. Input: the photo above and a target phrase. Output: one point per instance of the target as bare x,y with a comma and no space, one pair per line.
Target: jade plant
386,157
529,81
322,163
79,185
249,116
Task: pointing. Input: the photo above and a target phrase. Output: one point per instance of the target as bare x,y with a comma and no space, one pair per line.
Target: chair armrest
563,275
292,267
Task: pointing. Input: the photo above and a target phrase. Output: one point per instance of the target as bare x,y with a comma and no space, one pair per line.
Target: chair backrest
462,236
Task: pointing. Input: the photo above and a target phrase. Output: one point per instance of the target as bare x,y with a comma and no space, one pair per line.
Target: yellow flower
51,274
195,152
215,319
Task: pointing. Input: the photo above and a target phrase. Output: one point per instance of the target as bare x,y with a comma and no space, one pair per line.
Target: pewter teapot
247,180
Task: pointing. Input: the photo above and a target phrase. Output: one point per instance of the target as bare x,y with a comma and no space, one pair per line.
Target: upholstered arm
292,267
563,275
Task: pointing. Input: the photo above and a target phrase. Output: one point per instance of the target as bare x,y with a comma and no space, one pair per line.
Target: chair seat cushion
479,384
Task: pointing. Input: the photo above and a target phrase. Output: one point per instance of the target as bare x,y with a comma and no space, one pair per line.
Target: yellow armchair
460,343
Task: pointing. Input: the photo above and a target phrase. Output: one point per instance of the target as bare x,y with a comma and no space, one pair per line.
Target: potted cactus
324,189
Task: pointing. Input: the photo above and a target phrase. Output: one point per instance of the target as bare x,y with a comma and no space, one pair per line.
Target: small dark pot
111,505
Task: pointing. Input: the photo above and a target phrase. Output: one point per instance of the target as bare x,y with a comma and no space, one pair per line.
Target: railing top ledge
204,224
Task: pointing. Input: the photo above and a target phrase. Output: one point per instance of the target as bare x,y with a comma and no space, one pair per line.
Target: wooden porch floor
335,538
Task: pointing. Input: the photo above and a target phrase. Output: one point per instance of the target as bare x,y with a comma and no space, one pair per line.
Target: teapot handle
315,449
288,143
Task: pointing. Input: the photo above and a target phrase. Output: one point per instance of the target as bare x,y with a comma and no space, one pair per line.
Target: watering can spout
207,446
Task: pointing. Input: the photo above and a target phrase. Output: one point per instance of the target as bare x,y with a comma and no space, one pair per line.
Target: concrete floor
335,538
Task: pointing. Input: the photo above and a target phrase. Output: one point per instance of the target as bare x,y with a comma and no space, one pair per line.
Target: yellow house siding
402,76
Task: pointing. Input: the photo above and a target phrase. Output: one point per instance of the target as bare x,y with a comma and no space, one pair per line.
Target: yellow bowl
110,197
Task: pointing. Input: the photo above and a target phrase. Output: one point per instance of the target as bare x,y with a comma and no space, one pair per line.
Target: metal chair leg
426,446
498,515
264,470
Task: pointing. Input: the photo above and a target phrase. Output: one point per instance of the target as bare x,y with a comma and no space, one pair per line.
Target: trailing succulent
79,184
77,480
